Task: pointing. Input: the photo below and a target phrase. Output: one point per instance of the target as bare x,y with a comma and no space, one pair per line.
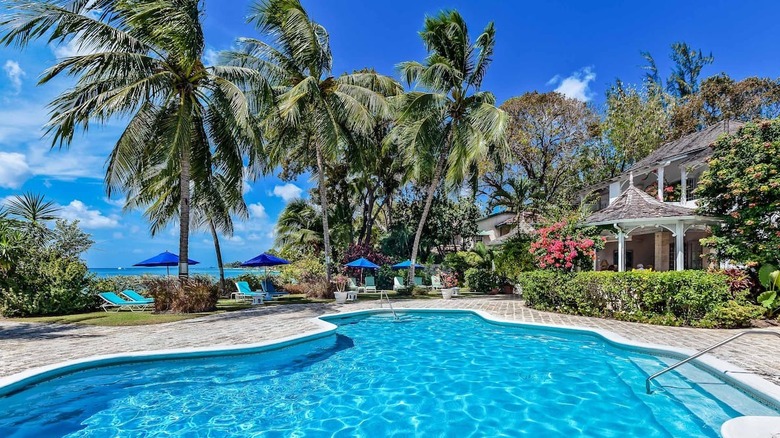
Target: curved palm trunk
428,201
184,216
215,238
324,206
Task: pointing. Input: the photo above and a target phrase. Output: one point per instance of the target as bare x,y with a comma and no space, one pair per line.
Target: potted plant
449,282
341,284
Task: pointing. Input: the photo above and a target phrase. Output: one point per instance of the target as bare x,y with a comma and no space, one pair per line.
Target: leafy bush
306,270
193,295
384,277
119,283
667,297
404,291
564,245
731,314
481,280
515,257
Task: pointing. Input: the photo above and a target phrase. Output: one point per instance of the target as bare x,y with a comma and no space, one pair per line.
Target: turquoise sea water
194,270
431,375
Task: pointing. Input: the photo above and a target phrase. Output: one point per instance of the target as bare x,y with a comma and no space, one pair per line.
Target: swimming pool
434,374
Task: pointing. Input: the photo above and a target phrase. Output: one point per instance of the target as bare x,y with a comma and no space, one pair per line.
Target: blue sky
577,47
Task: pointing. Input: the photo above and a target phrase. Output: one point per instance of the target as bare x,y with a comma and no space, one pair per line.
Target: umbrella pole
168,270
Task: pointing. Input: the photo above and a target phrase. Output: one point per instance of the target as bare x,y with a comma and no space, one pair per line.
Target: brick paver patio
29,345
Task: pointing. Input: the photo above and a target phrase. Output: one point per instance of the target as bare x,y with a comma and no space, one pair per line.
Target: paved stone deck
29,345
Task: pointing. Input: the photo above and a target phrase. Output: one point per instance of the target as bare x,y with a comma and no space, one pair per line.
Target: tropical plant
742,187
141,60
769,276
32,208
299,227
688,64
449,124
316,113
564,246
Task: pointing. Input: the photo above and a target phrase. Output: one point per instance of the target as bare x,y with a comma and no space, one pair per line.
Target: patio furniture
436,282
270,290
135,296
246,292
352,295
418,282
398,283
352,285
370,284
116,302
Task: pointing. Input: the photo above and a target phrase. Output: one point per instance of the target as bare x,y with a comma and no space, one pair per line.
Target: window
691,186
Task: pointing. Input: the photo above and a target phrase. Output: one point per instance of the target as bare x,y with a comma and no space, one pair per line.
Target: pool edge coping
749,382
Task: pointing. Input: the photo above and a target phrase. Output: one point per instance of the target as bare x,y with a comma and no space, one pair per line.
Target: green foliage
515,257
308,269
254,281
742,187
769,276
459,262
191,295
731,314
481,280
676,297
384,277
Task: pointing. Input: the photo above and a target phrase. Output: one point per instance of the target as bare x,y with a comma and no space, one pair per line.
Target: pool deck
29,345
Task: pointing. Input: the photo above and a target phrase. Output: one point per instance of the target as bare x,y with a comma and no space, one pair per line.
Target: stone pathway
29,345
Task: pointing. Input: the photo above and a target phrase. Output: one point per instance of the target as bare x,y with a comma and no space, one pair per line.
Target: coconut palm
32,207
317,113
299,226
449,124
140,60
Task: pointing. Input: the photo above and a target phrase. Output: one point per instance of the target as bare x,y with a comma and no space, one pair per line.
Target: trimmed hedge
696,298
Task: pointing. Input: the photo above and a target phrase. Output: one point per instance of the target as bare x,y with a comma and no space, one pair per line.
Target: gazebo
635,213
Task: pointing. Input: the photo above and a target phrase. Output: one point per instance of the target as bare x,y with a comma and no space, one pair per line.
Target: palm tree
317,113
144,63
299,226
451,124
32,207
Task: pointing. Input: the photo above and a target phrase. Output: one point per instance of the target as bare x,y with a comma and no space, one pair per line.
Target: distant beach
194,270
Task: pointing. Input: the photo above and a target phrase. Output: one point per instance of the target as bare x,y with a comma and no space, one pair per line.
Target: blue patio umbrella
265,260
166,259
362,263
406,264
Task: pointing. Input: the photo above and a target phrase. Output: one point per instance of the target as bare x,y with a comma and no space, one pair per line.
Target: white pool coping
751,383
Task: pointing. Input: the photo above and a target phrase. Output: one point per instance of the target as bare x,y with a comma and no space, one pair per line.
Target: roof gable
636,204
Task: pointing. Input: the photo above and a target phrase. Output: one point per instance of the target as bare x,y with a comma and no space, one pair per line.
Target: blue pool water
434,374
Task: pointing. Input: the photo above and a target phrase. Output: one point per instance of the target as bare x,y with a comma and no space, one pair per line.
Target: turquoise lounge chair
244,292
370,284
114,301
269,289
135,296
418,282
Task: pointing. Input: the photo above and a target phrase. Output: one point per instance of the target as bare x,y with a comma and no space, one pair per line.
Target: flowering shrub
672,192
448,279
563,246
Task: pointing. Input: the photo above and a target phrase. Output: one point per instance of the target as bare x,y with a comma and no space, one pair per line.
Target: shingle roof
689,144
636,204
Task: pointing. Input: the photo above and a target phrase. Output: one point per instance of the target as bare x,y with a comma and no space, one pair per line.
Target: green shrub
420,291
193,295
481,280
515,257
306,270
669,298
404,291
384,277
731,314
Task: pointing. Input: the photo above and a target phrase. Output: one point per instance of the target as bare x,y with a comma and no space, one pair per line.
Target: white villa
658,229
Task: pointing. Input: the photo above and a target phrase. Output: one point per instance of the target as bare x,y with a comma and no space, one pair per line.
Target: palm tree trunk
324,207
428,201
215,238
184,216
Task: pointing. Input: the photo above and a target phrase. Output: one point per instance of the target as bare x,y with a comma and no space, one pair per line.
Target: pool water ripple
433,375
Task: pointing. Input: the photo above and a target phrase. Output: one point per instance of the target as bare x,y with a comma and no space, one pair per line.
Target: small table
257,299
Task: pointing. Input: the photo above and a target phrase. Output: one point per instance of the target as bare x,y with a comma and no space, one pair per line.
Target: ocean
194,270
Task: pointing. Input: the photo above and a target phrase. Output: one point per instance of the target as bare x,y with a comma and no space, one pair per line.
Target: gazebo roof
634,204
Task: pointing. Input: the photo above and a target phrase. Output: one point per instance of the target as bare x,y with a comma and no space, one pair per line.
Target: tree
688,64
143,62
742,187
449,126
299,228
316,113
547,134
509,191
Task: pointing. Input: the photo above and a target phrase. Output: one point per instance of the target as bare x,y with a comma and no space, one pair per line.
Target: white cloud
288,192
211,57
246,186
87,218
257,211
14,170
576,85
120,203
235,240
15,74
118,235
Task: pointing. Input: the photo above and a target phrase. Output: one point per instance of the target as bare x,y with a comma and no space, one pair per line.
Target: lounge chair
270,290
352,284
135,296
370,284
398,283
113,300
245,292
418,282
436,282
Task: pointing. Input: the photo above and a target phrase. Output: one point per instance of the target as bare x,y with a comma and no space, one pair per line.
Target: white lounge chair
436,282
398,283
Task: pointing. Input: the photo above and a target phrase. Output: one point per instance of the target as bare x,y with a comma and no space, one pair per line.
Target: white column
621,251
661,183
683,184
679,246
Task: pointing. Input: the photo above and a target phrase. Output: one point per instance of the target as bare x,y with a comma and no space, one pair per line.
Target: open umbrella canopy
265,259
164,259
406,264
362,263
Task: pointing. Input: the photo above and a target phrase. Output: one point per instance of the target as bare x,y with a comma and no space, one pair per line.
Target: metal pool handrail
707,350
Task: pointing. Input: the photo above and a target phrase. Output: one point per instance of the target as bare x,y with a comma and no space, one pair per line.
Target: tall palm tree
299,225
317,113
143,63
449,124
